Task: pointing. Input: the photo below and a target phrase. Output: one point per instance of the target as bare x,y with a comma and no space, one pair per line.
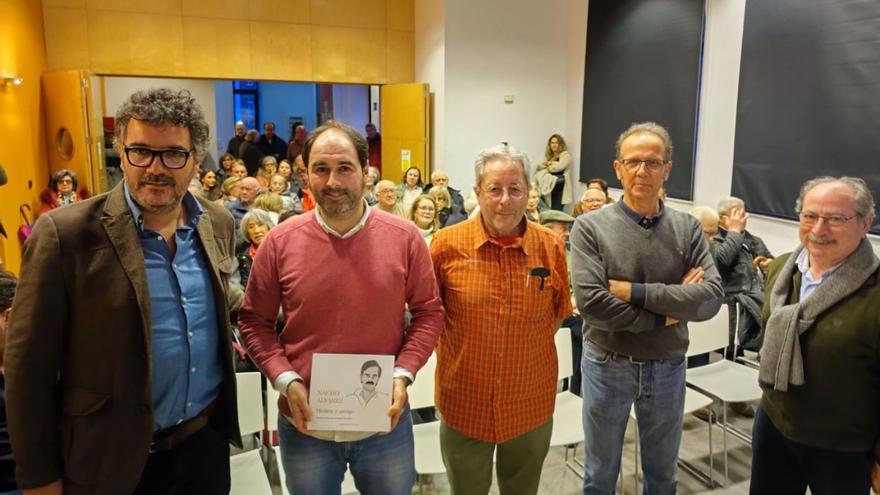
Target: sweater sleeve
598,307
259,311
423,299
689,302
561,165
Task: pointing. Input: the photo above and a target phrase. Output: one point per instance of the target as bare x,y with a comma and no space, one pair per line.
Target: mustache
369,383
820,239
156,179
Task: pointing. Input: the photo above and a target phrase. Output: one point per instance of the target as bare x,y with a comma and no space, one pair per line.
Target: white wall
430,67
118,89
495,48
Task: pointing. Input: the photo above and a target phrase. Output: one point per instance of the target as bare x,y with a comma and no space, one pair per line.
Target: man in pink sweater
343,274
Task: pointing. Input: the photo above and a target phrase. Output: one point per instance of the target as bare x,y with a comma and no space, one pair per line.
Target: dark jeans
198,465
575,323
782,467
556,195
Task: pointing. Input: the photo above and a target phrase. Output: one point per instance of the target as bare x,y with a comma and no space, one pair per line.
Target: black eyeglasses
143,157
632,164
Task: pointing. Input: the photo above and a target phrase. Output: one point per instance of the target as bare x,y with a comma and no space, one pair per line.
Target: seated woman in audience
225,168
410,188
443,200
270,202
268,168
601,184
286,171
255,224
551,176
591,200
532,211
63,189
229,190
371,177
210,186
424,214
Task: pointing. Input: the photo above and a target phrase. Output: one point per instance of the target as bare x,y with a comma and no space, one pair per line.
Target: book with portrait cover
351,392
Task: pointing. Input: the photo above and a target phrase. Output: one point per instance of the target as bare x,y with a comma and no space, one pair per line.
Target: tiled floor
557,479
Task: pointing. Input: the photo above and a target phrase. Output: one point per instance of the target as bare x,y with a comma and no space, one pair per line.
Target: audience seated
278,185
371,177
533,212
601,184
286,170
410,188
386,198
210,187
254,226
591,199
239,169
225,168
439,178
63,189
268,167
445,214
248,189
306,198
270,202
424,214
229,190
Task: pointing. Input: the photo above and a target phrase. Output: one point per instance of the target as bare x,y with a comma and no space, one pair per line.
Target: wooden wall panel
70,48
354,41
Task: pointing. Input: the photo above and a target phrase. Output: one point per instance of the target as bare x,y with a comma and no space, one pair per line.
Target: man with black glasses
119,364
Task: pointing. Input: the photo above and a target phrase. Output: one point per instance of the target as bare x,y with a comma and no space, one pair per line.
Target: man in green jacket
818,425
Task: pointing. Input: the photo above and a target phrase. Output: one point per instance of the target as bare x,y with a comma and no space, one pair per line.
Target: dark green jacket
838,408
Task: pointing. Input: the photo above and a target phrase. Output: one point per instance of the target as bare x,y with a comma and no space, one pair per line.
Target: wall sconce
11,81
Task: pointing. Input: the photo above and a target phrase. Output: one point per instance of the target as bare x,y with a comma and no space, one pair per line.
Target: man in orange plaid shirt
504,284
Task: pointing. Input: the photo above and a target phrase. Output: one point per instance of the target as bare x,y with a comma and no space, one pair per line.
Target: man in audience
560,222
818,425
297,141
641,271
118,363
250,153
441,178
374,140
248,190
386,195
743,287
235,142
330,307
752,243
504,285
238,169
272,145
708,218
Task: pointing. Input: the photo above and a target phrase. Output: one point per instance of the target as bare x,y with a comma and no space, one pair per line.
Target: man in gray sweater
640,272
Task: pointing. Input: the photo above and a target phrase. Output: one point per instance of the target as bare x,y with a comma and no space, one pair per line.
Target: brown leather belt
173,436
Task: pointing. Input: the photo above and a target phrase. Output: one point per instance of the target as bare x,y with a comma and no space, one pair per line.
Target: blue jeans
380,464
611,386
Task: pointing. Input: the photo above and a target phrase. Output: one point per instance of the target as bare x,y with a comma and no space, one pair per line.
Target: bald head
386,194
248,188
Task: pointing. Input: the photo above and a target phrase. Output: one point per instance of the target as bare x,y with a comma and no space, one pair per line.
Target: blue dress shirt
187,371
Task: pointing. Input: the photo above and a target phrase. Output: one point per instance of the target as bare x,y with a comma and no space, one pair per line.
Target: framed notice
351,392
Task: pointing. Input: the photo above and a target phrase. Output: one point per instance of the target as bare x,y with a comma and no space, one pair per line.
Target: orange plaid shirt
496,359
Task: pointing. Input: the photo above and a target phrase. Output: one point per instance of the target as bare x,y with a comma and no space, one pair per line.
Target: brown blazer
78,365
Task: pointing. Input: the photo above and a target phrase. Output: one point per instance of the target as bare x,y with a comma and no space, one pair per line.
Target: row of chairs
722,381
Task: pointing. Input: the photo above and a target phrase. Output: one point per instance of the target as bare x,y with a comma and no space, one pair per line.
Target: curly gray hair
158,106
862,198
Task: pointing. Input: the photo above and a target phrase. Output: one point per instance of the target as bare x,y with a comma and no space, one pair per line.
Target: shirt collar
191,207
636,217
483,235
354,230
803,264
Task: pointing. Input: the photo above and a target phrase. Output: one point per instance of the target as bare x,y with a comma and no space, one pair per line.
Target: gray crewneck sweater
607,244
